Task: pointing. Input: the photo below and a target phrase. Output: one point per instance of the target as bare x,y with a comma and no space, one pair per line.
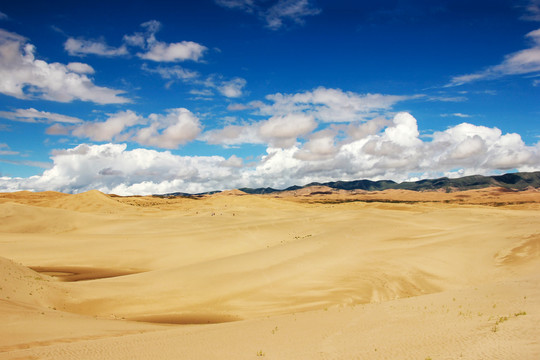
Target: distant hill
512,181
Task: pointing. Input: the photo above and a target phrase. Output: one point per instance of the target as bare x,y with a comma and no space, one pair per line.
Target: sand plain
312,274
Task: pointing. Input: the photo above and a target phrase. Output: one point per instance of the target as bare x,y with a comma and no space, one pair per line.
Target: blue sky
152,97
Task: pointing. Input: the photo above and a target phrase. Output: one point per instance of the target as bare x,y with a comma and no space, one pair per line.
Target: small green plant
494,328
501,319
520,313
260,353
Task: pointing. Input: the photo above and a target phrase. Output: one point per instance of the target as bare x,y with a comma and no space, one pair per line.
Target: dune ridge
310,274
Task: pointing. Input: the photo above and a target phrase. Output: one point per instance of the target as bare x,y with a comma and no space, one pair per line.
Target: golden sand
312,274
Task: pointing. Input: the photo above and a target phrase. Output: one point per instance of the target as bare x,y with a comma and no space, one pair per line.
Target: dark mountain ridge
511,181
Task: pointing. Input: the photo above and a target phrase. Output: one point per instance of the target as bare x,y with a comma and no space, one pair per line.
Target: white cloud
23,76
237,107
185,50
80,68
5,150
460,115
274,13
277,131
33,115
178,127
283,131
232,88
109,129
296,115
321,145
233,161
358,131
113,169
247,5
331,105
532,11
3,16
169,131
203,92
172,72
526,61
232,135
160,51
82,47
396,152
404,132
294,10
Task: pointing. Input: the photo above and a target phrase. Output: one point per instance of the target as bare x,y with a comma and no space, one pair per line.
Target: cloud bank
377,149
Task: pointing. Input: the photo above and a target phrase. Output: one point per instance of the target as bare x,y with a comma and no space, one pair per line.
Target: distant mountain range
511,181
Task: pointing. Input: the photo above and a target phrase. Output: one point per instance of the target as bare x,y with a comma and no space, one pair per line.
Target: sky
139,97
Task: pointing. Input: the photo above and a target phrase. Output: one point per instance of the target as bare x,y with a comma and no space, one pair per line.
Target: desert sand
312,274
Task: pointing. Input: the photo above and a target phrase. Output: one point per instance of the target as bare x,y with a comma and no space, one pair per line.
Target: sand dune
312,274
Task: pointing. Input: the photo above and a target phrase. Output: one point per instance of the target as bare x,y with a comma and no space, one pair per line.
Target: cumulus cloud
33,115
113,169
23,76
176,128
232,88
159,51
232,135
169,131
282,131
321,145
82,47
185,50
330,105
525,61
276,13
277,131
80,68
109,129
384,149
292,116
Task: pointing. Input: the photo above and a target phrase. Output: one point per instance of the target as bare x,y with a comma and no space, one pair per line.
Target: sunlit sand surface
311,274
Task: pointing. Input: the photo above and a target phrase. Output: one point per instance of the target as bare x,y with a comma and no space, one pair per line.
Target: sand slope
273,277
